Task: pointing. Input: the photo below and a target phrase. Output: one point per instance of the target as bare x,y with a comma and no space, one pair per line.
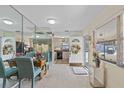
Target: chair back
47,56
25,67
30,54
2,68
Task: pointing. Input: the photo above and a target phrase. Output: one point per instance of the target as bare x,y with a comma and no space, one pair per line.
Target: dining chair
47,56
6,72
30,54
26,69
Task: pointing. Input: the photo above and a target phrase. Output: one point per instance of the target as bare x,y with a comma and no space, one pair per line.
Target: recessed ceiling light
51,21
37,36
7,21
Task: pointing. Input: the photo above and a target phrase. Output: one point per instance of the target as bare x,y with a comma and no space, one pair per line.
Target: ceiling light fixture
7,21
51,21
37,36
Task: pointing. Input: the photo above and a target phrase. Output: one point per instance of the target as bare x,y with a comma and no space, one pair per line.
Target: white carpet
58,76
80,71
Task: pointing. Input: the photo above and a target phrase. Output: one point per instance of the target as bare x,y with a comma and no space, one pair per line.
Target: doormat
61,62
79,71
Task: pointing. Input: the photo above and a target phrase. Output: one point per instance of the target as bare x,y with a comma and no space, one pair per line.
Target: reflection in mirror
10,34
28,35
10,27
106,41
43,41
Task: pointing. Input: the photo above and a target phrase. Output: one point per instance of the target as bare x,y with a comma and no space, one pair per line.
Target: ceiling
73,18
8,13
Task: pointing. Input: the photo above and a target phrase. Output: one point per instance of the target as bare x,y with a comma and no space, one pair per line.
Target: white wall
100,73
114,75
77,58
108,31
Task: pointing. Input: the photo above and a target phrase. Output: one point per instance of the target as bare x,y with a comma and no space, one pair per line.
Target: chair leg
19,83
40,76
45,67
4,82
17,75
32,85
48,67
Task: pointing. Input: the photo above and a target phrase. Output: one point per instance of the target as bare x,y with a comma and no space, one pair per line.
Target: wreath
75,48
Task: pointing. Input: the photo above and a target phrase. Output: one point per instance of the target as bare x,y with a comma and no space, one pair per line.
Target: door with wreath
76,45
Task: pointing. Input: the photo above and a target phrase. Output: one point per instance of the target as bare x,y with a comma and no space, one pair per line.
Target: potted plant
96,59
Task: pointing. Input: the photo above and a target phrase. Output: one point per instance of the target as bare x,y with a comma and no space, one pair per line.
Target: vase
97,62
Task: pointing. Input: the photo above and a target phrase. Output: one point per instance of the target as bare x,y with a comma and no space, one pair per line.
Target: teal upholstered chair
47,57
48,60
30,54
6,72
26,69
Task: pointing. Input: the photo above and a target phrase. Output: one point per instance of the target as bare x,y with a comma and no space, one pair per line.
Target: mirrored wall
28,35
106,41
19,35
43,41
16,33
10,32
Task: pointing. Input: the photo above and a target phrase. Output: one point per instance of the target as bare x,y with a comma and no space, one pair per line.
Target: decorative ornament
75,48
